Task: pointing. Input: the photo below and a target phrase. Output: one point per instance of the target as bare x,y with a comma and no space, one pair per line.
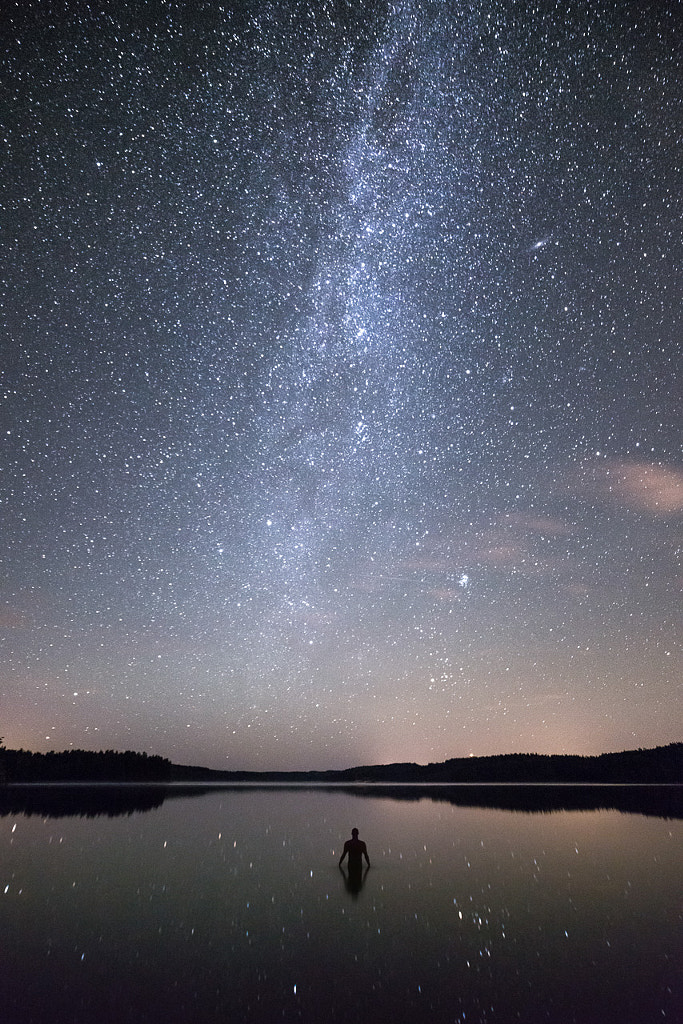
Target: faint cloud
546,526
528,543
641,486
427,564
501,554
13,618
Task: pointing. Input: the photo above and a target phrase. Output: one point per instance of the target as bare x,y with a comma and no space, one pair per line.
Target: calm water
229,906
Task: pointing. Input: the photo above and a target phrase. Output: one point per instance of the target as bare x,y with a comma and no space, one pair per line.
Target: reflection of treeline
83,800
83,766
652,800
68,799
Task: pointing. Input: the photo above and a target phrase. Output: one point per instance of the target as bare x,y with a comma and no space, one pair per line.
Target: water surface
230,906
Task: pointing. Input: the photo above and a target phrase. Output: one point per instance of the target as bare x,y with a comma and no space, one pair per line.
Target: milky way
340,395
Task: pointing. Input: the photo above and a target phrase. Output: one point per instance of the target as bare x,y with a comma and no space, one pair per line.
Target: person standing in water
355,849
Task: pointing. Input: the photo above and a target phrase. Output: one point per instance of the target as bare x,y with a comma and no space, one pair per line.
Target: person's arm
343,855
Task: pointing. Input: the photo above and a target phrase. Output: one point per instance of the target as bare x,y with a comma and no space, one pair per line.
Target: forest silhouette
657,765
93,783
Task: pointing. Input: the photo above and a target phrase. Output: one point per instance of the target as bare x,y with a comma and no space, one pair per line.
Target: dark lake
229,905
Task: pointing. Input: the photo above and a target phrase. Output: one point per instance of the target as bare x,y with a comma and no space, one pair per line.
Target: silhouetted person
355,849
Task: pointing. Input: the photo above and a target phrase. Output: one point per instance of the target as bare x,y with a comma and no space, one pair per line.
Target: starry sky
340,391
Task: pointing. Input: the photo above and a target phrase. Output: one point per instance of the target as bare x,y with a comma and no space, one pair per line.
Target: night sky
340,393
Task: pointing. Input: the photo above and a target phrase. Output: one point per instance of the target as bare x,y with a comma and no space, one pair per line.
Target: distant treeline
83,766
658,765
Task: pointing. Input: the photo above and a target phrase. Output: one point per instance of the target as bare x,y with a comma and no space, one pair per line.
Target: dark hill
659,765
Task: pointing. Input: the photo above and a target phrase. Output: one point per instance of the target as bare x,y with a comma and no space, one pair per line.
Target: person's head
354,833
